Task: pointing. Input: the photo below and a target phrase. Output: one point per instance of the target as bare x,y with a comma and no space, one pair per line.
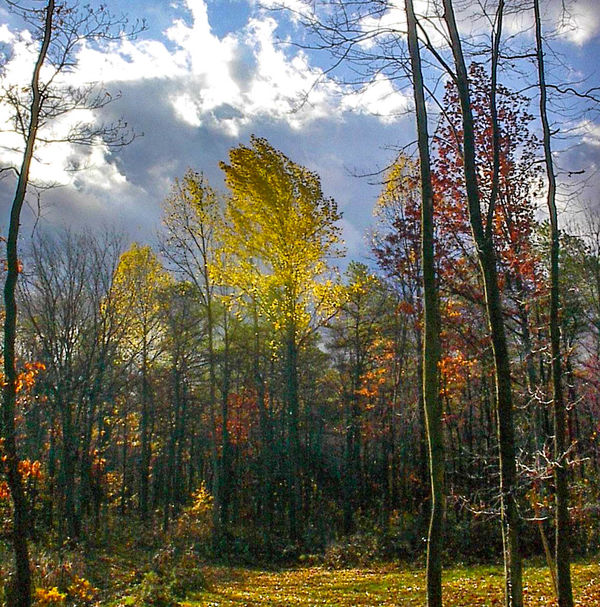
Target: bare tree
64,299
483,237
59,28
431,329
563,540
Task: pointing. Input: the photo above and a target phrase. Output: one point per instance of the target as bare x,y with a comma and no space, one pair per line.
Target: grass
384,586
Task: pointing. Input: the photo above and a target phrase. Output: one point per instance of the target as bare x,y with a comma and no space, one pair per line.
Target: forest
235,412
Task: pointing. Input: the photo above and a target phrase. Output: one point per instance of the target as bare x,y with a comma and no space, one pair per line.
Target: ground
384,586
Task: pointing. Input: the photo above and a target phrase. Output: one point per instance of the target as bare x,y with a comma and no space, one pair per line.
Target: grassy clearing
383,586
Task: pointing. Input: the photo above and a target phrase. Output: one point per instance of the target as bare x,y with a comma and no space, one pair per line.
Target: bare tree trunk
22,590
266,434
146,438
212,397
352,445
563,534
483,237
293,411
431,346
68,469
226,468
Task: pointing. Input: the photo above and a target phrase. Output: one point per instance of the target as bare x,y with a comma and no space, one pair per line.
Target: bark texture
22,589
431,345
513,564
562,524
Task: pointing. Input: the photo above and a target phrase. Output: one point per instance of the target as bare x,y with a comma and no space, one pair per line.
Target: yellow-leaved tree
193,221
137,293
280,231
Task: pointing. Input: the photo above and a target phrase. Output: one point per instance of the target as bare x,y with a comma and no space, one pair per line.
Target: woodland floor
127,576
384,586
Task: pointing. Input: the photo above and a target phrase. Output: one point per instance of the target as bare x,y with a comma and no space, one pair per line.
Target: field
384,586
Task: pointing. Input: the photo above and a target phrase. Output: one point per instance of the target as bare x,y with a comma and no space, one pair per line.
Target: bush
60,580
154,592
81,593
174,576
187,576
59,570
48,597
357,550
195,523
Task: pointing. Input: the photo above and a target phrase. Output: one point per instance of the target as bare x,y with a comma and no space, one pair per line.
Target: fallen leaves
387,587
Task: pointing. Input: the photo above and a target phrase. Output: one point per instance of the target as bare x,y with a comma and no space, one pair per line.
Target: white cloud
579,22
392,21
204,54
589,132
280,84
129,61
379,98
187,109
194,90
576,21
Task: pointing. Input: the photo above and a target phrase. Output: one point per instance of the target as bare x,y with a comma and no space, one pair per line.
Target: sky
206,74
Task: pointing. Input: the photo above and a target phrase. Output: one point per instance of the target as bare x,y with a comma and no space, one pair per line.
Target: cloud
208,81
589,132
575,21
578,22
379,98
194,95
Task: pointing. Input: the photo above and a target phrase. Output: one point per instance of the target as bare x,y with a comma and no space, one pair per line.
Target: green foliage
173,578
188,576
154,591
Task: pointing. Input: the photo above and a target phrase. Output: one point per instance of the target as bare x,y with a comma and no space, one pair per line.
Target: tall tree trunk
563,534
226,468
483,238
431,346
171,477
266,434
352,446
68,469
212,398
145,439
22,589
293,411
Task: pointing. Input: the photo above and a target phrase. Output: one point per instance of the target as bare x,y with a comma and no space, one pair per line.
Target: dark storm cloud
337,148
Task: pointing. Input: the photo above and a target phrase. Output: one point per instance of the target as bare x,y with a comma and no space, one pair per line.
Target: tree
280,231
192,220
184,328
138,291
354,331
75,336
431,329
563,536
59,29
483,237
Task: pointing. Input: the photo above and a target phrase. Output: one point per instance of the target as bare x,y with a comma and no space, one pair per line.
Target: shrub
81,592
356,550
154,592
188,575
195,523
47,597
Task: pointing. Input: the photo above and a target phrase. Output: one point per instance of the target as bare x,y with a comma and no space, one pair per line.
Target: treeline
235,358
